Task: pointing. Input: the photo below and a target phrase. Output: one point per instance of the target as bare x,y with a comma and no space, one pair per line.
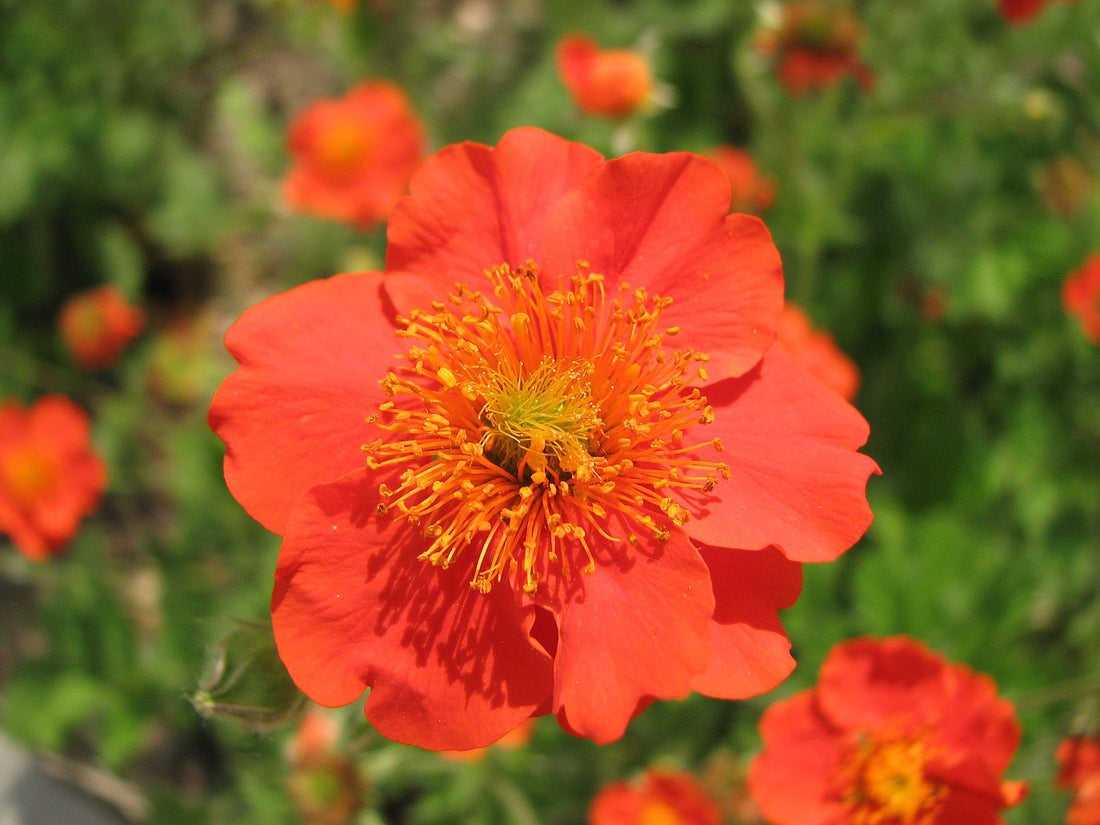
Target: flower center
28,475
526,420
656,812
886,784
343,147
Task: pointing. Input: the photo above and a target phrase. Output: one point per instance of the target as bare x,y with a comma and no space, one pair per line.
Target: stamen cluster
525,419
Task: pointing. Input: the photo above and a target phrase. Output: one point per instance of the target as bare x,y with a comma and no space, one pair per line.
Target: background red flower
609,82
50,477
353,156
1079,771
659,797
1081,296
98,325
892,732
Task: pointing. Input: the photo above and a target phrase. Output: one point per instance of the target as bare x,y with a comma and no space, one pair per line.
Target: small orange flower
1081,296
892,734
660,798
324,785
97,326
611,83
816,44
49,476
1079,771
354,156
817,352
750,190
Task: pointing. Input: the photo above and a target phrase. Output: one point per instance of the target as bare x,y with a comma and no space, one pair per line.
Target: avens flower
1081,296
892,734
550,461
608,82
815,45
353,157
1079,771
659,797
50,476
98,325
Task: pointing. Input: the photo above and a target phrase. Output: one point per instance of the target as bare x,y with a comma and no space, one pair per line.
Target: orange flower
892,734
1079,771
49,476
660,798
816,44
817,352
324,785
589,483
750,189
97,325
1081,296
612,83
354,156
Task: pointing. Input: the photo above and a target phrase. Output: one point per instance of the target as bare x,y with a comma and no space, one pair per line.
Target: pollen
886,783
524,420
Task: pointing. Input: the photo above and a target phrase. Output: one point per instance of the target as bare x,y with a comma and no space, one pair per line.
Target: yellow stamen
525,419
885,783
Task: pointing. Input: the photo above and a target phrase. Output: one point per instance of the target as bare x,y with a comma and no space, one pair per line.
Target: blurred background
927,170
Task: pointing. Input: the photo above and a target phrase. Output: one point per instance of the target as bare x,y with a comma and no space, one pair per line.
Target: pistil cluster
886,783
524,420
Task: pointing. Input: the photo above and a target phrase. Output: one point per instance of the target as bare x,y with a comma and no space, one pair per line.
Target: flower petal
449,668
795,778
751,652
636,629
868,683
661,222
797,482
294,413
473,207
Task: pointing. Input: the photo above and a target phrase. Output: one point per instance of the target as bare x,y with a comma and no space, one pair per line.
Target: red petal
448,668
473,207
797,482
869,683
795,778
637,628
751,652
661,222
294,414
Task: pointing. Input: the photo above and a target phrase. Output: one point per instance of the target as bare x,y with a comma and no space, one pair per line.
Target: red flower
1021,11
49,476
751,190
612,83
354,156
816,44
660,798
534,512
97,326
1081,296
817,352
892,733
1079,771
